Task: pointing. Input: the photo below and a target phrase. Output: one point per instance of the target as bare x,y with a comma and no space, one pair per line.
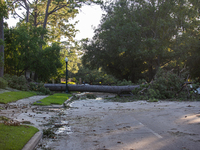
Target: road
140,125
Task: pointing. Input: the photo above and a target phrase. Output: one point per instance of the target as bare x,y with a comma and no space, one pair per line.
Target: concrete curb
32,143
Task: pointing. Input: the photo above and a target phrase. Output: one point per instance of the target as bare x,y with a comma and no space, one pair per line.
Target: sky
89,18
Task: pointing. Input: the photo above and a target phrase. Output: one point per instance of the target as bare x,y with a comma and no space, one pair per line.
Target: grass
13,96
58,99
15,137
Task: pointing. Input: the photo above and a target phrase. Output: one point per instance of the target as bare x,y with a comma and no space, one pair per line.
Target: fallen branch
141,92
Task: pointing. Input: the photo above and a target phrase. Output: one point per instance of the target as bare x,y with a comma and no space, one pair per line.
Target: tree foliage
28,45
136,37
167,85
53,15
94,76
193,62
23,52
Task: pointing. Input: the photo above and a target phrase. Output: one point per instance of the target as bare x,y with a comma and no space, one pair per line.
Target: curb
67,101
33,141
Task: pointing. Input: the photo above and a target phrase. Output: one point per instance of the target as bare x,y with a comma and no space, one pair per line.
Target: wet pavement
101,125
96,124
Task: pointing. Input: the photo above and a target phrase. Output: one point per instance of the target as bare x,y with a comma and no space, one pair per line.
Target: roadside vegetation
170,86
21,83
166,86
15,137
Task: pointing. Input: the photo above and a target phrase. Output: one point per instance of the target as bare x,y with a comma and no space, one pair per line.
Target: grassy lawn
8,97
58,99
15,137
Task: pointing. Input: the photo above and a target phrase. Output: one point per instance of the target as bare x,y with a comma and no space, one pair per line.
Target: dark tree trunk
1,49
91,88
46,17
27,11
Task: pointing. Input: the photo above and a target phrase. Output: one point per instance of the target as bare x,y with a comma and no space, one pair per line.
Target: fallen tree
91,88
168,85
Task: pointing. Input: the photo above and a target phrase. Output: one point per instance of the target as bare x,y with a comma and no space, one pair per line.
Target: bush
124,82
16,82
21,83
153,93
39,88
166,85
142,81
3,83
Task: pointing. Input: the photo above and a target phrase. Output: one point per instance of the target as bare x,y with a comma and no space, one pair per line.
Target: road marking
156,134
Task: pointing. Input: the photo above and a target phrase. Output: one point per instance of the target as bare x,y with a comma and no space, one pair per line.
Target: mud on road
101,125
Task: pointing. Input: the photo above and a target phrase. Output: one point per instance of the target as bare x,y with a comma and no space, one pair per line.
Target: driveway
101,125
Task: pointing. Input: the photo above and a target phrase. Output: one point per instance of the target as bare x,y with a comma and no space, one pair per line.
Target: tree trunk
27,11
91,88
46,16
1,49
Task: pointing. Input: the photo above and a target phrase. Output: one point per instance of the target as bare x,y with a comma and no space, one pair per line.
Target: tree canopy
23,52
35,44
136,37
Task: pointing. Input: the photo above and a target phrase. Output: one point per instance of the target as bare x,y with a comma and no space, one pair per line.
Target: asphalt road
140,125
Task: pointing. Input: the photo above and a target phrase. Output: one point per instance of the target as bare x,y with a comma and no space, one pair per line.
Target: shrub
142,81
16,82
39,88
124,82
153,93
3,83
21,83
166,85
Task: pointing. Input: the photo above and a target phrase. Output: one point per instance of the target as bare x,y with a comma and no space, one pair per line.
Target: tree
23,52
112,46
92,88
73,60
136,37
3,13
52,15
193,58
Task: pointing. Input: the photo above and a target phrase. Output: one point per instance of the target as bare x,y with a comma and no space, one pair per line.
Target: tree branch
22,5
56,9
28,2
18,15
27,10
39,23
